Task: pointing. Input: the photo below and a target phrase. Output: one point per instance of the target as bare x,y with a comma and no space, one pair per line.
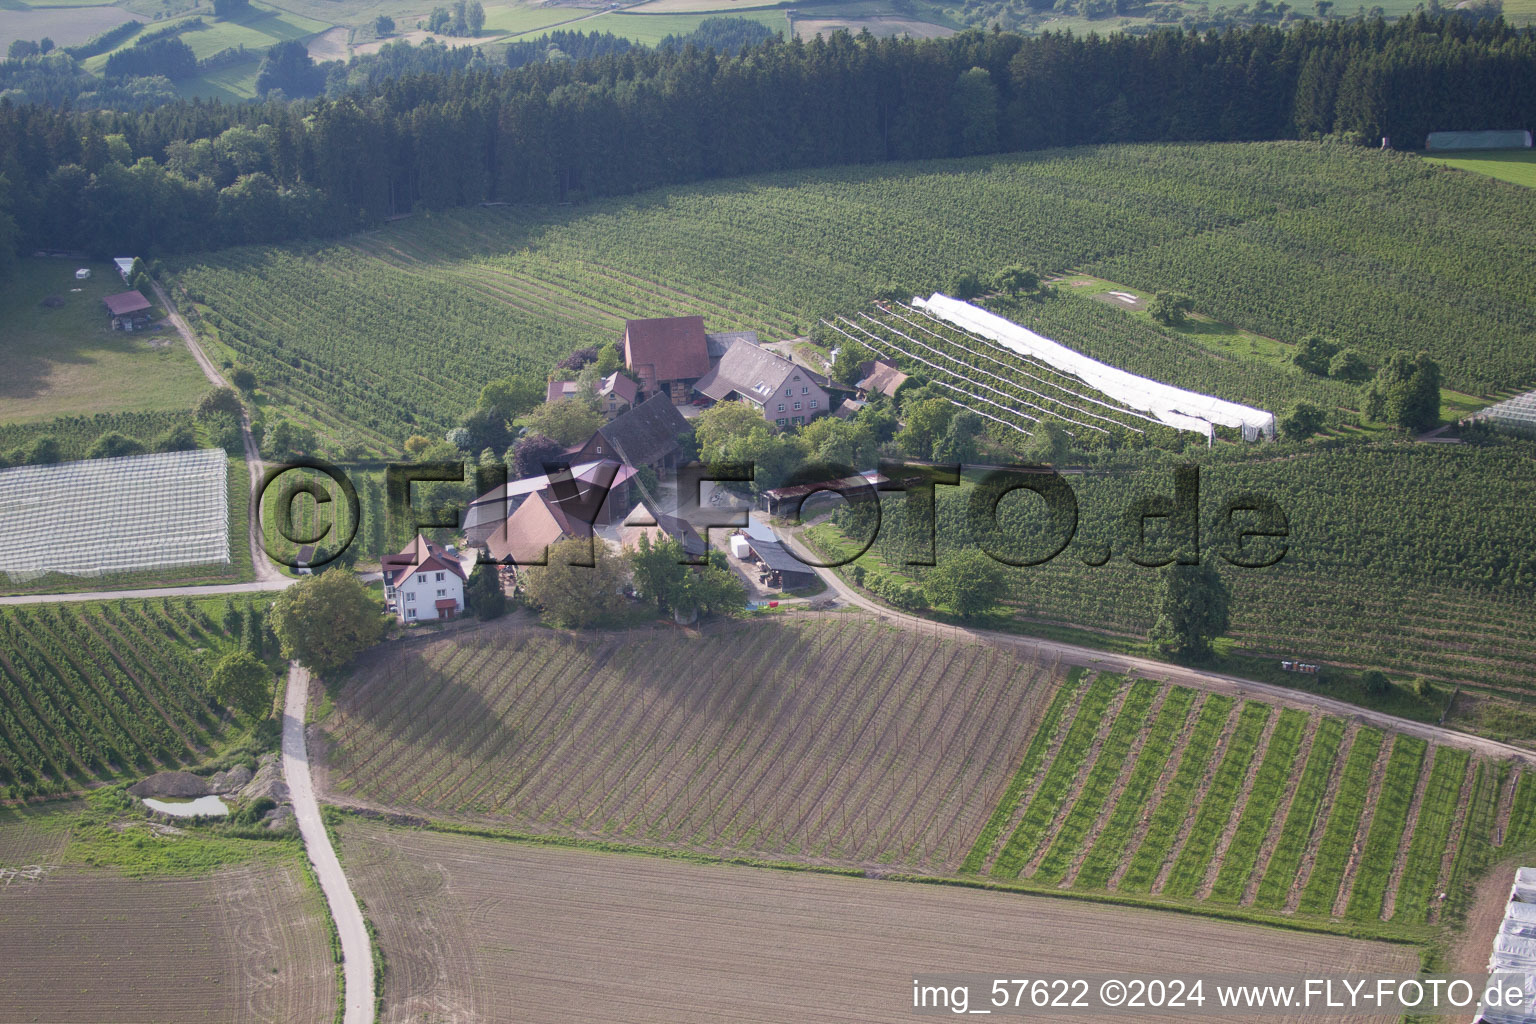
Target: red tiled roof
420,555
618,384
558,389
673,347
882,377
124,303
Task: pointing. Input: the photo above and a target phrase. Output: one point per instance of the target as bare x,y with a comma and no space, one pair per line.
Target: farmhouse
616,393
880,376
645,437
784,393
423,583
641,522
129,311
668,354
591,493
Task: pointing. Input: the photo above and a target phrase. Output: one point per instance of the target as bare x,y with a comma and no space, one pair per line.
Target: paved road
1215,682
356,951
265,570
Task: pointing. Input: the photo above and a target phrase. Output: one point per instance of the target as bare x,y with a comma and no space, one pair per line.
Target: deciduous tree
241,682
323,621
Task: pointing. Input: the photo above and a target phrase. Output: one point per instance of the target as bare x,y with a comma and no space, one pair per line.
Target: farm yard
1148,790
755,739
469,925
96,691
243,941
501,290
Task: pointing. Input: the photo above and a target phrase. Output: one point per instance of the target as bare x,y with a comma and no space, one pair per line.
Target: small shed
130,311
780,568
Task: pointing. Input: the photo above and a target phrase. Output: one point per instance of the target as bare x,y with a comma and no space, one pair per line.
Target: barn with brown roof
669,354
129,311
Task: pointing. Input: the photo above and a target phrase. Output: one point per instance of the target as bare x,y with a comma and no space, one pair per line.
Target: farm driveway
356,952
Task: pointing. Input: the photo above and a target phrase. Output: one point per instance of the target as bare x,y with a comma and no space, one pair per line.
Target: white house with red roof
423,583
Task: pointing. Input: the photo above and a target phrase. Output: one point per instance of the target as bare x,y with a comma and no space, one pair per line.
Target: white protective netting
115,515
1517,415
1185,410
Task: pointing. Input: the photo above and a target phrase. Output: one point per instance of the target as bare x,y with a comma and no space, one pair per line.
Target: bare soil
488,930
242,944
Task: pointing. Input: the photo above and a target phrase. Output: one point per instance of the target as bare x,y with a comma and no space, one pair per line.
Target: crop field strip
1244,804
90,691
515,289
716,745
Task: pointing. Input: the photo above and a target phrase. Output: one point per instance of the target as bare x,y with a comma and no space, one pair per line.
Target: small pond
207,805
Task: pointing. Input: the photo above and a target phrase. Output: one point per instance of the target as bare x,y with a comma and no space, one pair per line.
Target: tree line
565,131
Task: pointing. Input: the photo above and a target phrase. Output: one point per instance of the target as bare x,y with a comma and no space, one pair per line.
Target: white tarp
115,515
1512,951
1524,888
1185,410
1522,912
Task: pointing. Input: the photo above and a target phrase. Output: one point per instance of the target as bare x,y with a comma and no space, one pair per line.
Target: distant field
651,29
258,29
515,289
66,25
1517,166
756,739
69,361
245,942
470,925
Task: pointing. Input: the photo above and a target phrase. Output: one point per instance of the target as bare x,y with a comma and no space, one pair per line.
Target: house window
788,392
439,578
781,407
410,613
599,449
781,421
813,403
797,376
410,596
805,391
421,577
441,592
797,407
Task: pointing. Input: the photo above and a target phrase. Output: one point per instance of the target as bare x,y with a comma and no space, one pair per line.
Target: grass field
68,361
724,743
470,924
1516,165
68,25
498,290
245,939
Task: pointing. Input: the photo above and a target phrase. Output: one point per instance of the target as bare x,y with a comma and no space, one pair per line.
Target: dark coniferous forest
193,175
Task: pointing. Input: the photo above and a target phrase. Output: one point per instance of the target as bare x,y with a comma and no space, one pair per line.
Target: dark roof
124,303
673,347
752,372
776,558
718,342
646,433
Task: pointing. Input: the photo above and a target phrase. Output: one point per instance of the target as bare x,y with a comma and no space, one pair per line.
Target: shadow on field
735,673
454,719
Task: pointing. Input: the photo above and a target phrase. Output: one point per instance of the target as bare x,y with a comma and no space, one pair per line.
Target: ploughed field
486,929
819,738
832,739
238,942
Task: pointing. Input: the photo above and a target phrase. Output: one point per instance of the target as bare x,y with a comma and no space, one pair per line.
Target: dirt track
488,930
